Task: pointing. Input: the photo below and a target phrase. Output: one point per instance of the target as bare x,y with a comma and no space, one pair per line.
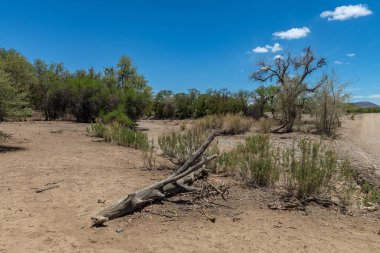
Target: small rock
119,230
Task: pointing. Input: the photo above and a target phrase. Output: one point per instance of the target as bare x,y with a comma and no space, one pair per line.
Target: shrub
328,104
255,159
118,117
149,156
229,123
120,135
371,194
13,101
57,102
97,130
265,125
363,110
180,146
129,138
312,171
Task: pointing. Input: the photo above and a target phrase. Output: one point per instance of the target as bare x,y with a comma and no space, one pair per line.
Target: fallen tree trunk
180,181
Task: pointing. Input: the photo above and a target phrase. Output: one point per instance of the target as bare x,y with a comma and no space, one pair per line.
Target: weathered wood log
180,181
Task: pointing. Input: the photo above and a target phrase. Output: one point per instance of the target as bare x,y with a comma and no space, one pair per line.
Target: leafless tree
328,103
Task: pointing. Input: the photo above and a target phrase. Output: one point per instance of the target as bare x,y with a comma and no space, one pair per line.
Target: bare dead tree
290,73
180,181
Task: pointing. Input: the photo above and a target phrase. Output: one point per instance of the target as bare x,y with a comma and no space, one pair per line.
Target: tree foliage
13,102
290,74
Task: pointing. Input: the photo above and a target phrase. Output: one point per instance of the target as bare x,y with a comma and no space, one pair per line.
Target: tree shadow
5,149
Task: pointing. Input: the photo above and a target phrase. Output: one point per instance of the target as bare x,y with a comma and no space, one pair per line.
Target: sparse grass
120,135
183,126
346,170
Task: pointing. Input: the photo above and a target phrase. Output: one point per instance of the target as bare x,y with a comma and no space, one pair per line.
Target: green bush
117,116
97,130
13,101
312,171
371,194
120,135
129,138
256,160
355,110
180,146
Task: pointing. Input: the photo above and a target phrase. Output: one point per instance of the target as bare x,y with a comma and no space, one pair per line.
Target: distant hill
364,104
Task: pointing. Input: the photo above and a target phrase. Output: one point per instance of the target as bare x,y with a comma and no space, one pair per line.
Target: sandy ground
364,132
58,220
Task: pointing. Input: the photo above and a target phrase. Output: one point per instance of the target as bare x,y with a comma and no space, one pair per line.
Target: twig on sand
48,186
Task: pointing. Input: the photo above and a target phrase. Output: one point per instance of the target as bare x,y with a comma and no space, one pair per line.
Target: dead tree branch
180,181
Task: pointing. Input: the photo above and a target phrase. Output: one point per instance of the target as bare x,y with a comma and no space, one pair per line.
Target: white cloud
275,48
350,54
346,12
260,50
338,62
293,34
278,57
370,96
374,96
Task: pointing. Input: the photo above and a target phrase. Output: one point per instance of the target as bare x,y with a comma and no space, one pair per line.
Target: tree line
121,94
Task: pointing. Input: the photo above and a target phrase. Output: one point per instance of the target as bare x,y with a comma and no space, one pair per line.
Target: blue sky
199,44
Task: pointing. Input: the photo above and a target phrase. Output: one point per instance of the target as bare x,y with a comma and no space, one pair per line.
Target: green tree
290,74
13,102
160,101
264,99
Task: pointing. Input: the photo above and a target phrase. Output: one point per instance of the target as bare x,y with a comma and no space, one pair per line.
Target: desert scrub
312,172
97,130
149,156
265,125
118,117
255,160
230,123
179,146
120,135
371,195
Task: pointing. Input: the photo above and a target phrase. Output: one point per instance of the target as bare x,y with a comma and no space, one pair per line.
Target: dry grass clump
265,125
230,123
